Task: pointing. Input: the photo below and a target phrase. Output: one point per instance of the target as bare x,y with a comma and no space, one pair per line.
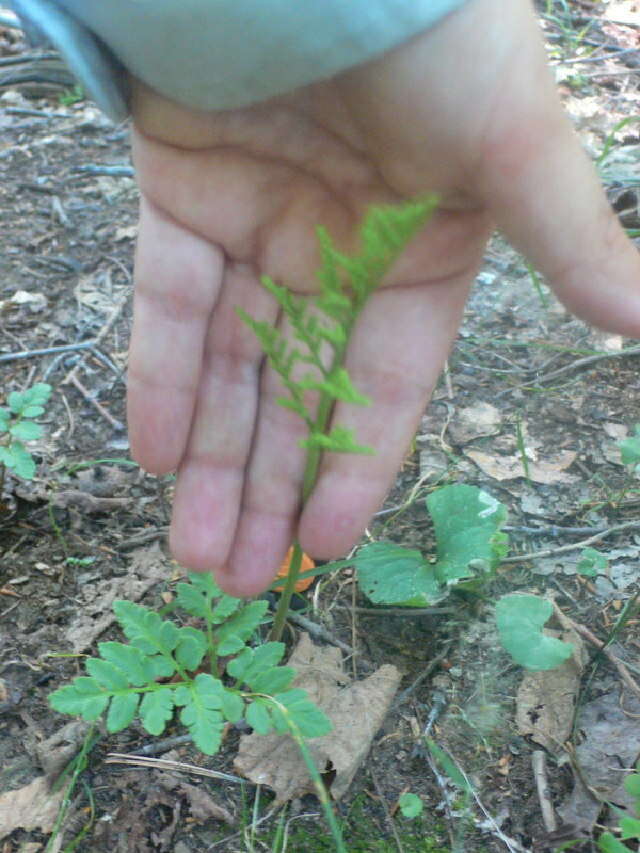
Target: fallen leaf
31,807
148,566
610,746
356,709
475,422
128,232
201,804
625,12
545,700
545,471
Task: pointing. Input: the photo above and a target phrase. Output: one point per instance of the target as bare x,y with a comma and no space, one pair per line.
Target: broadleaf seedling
520,620
18,428
469,546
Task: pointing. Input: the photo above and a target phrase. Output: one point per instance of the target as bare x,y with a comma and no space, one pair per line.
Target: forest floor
544,754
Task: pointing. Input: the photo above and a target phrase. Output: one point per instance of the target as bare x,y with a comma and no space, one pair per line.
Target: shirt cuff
221,54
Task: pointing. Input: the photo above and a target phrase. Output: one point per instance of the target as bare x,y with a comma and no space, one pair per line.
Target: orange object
307,565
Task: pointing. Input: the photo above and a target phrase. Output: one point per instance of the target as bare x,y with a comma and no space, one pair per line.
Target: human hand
466,109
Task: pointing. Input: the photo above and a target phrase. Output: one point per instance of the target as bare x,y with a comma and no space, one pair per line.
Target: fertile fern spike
323,324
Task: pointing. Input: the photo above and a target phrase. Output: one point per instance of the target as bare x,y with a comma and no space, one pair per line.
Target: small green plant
520,620
630,450
469,546
592,563
72,96
629,825
160,670
17,427
321,328
410,805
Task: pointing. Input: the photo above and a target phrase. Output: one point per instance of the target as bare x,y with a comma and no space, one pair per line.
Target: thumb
545,195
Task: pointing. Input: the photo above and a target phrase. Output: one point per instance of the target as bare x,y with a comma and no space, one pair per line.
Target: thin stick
318,631
33,353
165,764
116,424
385,808
575,546
539,764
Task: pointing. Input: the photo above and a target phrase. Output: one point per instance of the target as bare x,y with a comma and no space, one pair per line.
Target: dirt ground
525,378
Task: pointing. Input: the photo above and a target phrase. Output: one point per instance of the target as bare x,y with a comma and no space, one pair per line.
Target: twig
33,353
584,543
539,764
159,746
164,764
397,611
589,360
387,814
625,675
123,171
116,424
318,631
434,663
143,537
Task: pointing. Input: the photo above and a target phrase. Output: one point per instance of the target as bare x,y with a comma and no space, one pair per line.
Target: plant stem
312,463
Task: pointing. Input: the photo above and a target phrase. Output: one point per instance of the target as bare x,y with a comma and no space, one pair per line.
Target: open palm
228,197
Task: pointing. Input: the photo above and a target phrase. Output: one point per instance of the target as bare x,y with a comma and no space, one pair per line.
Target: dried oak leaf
545,702
545,471
33,807
356,709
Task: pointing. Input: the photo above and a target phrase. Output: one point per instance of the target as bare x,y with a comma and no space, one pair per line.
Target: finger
210,479
399,346
177,280
271,500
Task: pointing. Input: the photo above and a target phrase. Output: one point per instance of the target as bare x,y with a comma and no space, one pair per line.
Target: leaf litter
356,710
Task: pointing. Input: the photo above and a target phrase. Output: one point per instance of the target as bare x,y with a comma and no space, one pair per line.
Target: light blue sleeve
220,54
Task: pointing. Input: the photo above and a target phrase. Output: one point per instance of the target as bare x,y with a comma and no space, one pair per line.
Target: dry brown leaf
546,471
623,12
201,804
356,709
148,566
545,701
610,746
31,807
475,422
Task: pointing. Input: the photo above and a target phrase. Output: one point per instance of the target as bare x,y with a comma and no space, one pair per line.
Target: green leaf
201,712
310,720
5,420
273,680
145,629
106,674
230,644
18,458
608,843
225,608
37,395
466,523
32,411
520,620
156,710
632,785
122,711
338,386
629,827
391,574
232,706
138,667
410,805
16,402
240,626
448,766
258,717
82,698
630,448
26,430
191,599
339,440
592,563
248,665
191,648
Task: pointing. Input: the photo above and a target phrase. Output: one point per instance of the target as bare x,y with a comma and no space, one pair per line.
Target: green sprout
321,328
17,427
